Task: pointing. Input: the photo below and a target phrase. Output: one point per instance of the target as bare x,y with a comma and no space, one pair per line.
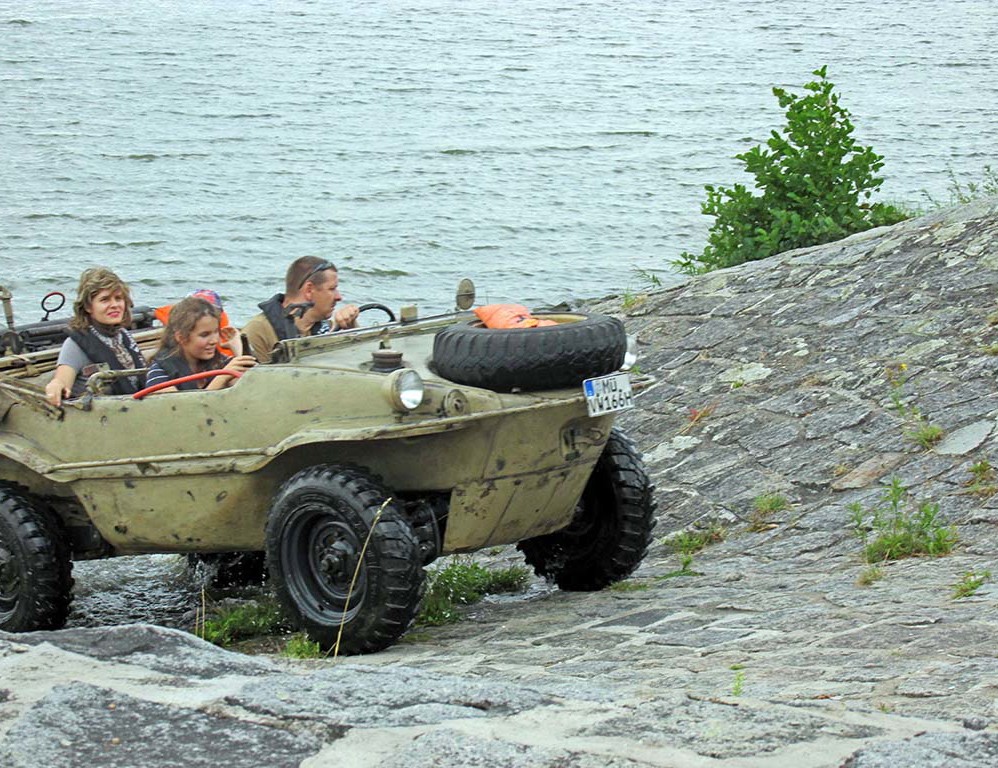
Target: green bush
815,179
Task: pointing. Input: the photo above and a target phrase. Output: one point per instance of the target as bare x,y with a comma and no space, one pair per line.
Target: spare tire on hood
577,347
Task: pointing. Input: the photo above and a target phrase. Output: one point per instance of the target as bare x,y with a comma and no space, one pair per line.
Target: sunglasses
322,266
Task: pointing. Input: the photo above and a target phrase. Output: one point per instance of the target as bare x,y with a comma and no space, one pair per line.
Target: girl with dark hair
189,346
97,336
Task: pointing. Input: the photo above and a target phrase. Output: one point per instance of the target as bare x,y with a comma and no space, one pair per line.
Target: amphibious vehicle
348,464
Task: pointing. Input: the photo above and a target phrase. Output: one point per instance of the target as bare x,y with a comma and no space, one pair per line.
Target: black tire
35,569
611,530
316,531
229,569
547,357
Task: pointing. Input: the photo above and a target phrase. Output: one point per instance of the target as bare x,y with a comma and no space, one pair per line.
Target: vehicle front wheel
611,529
35,569
343,561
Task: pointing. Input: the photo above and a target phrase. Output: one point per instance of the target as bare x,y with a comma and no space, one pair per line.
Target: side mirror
465,294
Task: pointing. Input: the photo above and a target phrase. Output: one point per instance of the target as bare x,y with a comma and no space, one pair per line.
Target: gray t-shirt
72,354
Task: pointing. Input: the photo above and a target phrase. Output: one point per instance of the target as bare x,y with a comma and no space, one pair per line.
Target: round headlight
631,354
404,389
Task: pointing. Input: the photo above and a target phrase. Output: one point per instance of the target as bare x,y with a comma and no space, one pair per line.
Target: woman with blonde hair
190,345
98,336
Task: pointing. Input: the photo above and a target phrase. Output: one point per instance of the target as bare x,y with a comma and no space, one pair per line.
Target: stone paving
806,375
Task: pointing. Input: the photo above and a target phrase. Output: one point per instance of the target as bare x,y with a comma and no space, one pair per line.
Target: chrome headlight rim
405,390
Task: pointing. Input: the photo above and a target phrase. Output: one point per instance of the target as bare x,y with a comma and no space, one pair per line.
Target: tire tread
397,570
49,567
604,562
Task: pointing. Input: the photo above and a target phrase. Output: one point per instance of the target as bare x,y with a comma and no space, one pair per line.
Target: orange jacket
163,315
509,316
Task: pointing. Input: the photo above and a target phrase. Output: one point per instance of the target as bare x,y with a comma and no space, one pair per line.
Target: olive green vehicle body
197,471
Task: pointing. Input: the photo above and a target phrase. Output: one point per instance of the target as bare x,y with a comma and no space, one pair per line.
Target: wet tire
323,521
230,569
35,568
549,357
610,533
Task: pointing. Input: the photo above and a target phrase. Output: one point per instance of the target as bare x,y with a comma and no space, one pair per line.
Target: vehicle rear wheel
611,530
35,569
577,347
343,561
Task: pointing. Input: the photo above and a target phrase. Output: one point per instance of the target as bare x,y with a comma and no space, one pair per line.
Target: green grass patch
870,576
982,482
769,503
970,583
299,646
898,527
678,574
982,472
925,434
629,586
738,684
632,300
764,507
691,542
685,569
462,582
230,624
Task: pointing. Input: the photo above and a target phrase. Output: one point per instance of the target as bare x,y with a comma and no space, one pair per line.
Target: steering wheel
380,307
184,379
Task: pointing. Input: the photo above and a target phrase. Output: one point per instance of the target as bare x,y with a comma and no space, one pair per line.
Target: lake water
550,150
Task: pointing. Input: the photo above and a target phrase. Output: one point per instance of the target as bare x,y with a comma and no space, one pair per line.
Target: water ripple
560,148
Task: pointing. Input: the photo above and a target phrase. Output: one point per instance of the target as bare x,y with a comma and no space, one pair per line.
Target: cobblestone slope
800,375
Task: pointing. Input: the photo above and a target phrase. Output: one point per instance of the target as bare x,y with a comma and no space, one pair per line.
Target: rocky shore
810,376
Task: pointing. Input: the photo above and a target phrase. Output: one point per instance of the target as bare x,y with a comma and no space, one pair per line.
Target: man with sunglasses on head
304,309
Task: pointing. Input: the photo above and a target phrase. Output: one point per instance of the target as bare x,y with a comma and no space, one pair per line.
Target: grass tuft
230,624
982,482
970,583
691,542
765,506
629,586
462,582
870,575
925,434
299,646
897,528
960,193
738,684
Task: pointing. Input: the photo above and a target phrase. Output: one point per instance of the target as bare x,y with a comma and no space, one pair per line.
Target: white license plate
607,394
